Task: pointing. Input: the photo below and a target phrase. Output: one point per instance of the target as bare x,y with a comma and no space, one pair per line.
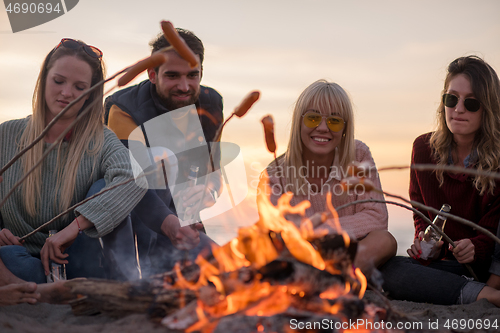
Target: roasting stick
56,118
82,202
451,216
155,60
122,81
239,111
185,52
268,123
46,153
135,70
439,231
132,71
370,187
432,167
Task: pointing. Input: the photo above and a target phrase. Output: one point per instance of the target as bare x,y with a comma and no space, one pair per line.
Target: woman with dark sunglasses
468,136
321,147
89,152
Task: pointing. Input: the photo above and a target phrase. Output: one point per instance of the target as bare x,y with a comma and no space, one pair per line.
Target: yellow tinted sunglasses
312,119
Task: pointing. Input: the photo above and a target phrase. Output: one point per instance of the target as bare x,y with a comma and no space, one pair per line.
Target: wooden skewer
56,118
79,204
47,152
432,167
427,220
239,111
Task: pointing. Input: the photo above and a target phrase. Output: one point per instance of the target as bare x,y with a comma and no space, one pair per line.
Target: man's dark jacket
142,103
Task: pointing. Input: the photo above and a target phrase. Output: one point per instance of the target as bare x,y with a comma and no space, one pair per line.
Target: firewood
183,318
120,298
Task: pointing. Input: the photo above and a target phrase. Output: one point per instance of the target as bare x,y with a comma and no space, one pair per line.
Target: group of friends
104,236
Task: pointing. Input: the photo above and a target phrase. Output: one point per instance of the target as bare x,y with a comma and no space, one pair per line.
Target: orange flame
362,280
258,245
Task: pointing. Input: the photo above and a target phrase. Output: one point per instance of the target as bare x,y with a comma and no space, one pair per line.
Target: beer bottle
57,271
431,237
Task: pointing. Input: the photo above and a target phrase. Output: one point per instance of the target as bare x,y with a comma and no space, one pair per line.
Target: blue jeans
442,282
22,264
87,258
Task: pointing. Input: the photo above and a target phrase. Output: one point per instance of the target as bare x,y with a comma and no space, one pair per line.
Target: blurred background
391,57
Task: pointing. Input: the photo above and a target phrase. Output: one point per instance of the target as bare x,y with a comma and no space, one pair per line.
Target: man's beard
171,104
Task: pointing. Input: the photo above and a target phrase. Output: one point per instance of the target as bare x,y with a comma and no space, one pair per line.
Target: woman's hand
464,251
416,249
7,238
55,246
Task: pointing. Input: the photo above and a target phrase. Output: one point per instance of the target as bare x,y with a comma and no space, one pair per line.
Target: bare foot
55,293
19,293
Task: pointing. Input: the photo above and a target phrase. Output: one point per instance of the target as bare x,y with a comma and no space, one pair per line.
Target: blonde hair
330,98
87,135
486,88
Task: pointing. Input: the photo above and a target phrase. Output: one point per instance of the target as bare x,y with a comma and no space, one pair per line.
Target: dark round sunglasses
69,43
471,104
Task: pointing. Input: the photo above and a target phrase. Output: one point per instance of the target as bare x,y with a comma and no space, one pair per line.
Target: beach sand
60,319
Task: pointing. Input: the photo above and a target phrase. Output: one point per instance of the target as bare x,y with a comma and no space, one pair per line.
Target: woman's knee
383,242
22,264
10,253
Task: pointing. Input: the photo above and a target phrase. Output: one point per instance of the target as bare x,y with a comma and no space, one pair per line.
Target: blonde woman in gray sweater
89,152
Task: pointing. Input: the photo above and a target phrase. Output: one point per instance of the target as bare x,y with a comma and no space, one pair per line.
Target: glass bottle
431,237
192,177
57,271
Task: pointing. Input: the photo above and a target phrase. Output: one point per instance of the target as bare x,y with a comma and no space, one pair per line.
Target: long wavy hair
486,88
328,97
87,135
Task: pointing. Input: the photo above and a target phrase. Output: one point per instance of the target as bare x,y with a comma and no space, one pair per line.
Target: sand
60,319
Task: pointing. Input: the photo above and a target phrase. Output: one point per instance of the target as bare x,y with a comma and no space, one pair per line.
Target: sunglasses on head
69,43
471,104
312,119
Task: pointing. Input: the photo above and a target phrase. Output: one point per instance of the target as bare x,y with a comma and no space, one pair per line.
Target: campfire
274,273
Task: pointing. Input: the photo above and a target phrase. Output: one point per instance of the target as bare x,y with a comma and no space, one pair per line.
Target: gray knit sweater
105,212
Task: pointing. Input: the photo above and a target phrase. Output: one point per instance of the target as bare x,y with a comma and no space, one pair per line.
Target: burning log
284,285
121,298
280,287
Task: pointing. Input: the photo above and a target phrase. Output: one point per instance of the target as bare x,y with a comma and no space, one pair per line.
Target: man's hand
192,196
464,251
183,238
7,238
